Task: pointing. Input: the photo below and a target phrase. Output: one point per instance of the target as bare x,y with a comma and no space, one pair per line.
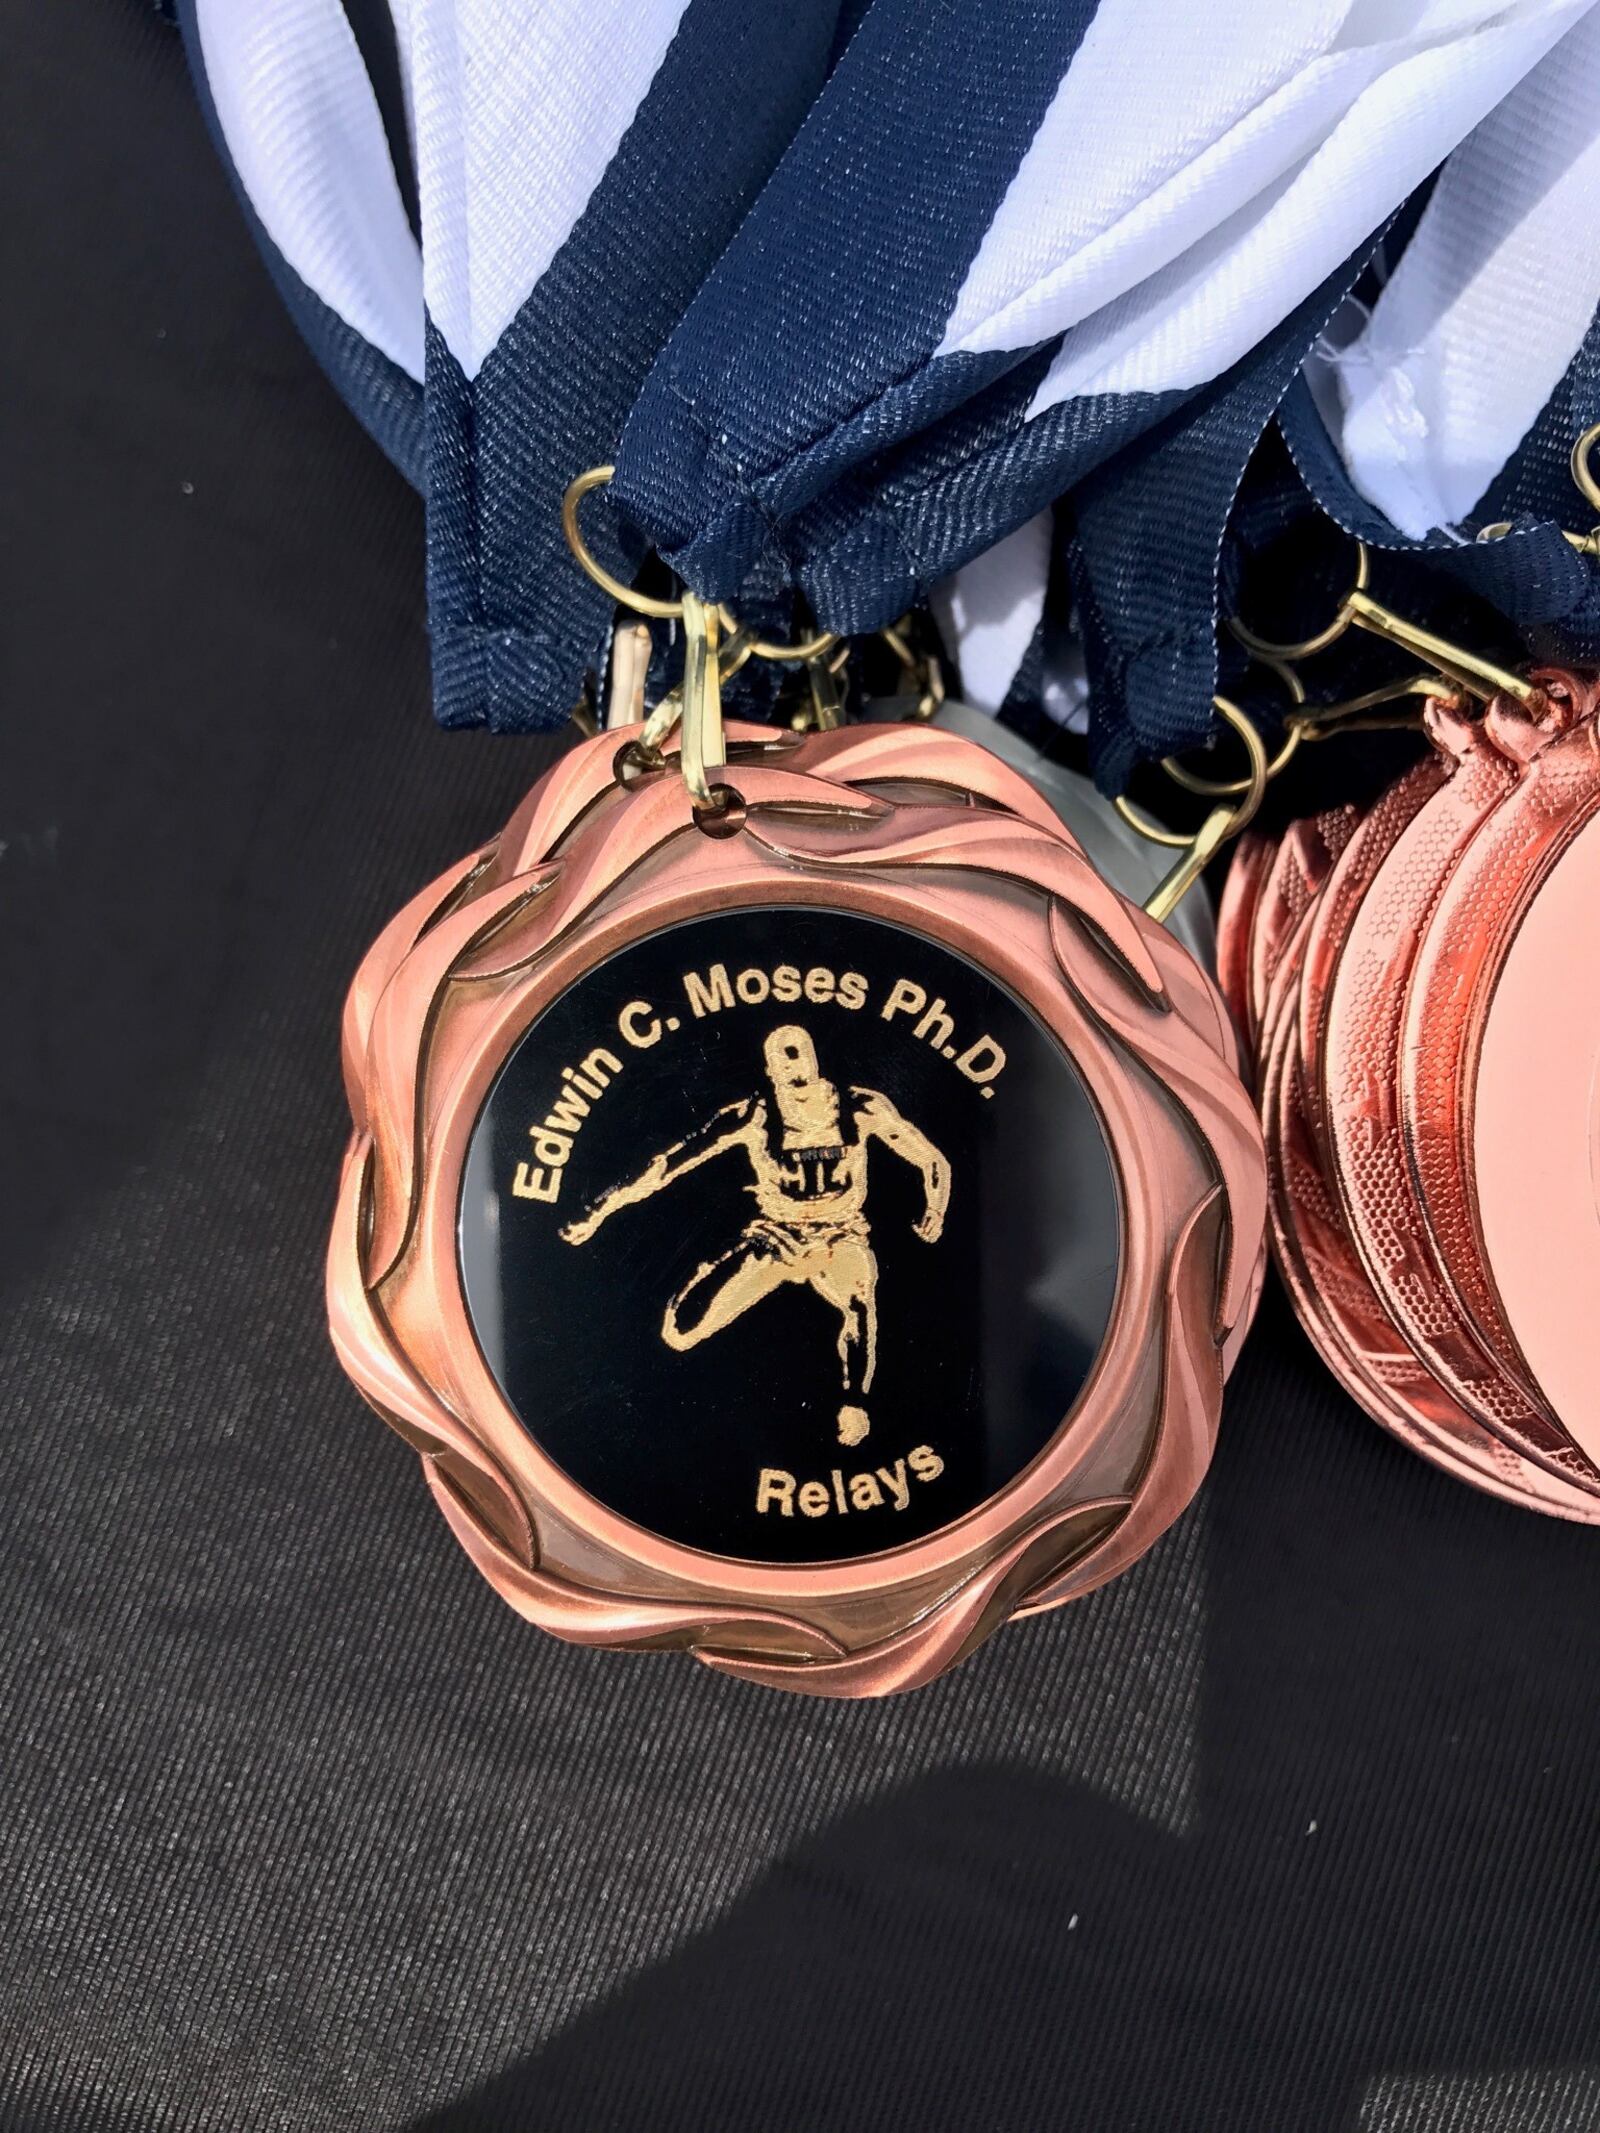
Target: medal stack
1416,986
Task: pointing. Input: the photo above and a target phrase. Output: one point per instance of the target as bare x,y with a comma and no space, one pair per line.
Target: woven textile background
1293,1828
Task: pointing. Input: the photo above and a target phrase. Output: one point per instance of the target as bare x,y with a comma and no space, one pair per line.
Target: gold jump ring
806,649
1235,788
1239,816
1582,473
624,595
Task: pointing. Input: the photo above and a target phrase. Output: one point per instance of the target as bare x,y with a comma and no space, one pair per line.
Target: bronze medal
1397,1005
1323,1274
1357,1074
1532,1115
807,1231
1347,1324
1372,985
1494,889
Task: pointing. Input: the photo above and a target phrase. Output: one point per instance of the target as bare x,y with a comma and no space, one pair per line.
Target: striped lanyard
987,305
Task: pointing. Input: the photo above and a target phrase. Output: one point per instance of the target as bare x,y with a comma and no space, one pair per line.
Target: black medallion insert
789,1234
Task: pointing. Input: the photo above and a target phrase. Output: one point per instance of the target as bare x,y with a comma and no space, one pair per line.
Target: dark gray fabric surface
299,1828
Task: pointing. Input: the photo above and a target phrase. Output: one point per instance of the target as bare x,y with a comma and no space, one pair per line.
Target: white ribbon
1165,234
1434,391
306,140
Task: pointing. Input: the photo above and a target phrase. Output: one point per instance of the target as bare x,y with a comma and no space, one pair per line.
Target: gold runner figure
810,1164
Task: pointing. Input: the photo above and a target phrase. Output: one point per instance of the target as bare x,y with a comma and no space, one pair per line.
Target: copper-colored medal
1391,1026
1432,945
1340,853
1339,897
1533,1116
808,1233
1357,1077
1328,1286
1496,886
1333,1295
1319,1263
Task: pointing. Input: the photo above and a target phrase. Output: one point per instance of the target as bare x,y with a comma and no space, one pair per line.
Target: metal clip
1223,822
701,746
1481,678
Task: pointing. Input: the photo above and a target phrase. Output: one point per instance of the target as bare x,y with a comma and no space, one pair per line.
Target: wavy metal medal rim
584,870
1463,915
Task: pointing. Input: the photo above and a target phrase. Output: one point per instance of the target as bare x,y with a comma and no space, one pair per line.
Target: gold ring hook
1360,714
806,649
1235,788
1197,851
1223,822
624,595
1588,488
801,653
701,747
1249,798
1482,678
1582,473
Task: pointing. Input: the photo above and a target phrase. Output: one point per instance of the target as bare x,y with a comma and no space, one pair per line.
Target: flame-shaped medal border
905,822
